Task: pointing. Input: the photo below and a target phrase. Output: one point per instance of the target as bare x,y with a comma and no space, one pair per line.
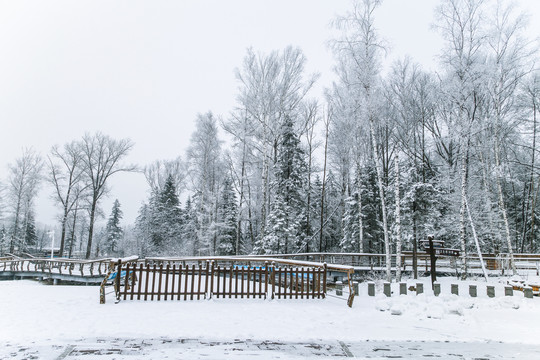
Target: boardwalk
79,271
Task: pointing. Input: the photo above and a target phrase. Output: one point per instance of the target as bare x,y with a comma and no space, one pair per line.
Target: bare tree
66,173
23,180
101,159
157,173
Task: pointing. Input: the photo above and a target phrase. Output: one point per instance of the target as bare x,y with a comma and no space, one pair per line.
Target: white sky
144,69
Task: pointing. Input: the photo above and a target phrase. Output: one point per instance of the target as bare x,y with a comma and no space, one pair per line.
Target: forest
377,164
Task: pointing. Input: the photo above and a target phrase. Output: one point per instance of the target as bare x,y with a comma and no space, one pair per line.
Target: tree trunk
477,243
91,228
464,184
398,224
502,207
383,201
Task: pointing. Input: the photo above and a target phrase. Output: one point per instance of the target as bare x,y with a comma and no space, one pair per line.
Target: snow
38,316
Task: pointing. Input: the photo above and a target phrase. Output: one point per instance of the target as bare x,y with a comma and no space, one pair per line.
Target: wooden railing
220,277
371,261
60,266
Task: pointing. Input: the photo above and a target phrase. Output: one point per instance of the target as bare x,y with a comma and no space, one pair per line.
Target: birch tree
360,50
459,22
101,158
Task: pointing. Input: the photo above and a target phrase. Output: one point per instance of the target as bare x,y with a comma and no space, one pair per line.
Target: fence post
472,290
527,292
402,288
508,290
355,287
419,288
436,288
371,288
455,289
490,289
117,280
386,289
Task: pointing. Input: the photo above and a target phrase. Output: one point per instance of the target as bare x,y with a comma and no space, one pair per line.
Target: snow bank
33,312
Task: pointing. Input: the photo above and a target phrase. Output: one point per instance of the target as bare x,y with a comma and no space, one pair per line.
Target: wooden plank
146,283
166,281
211,292
192,281
134,276
236,271
154,268
160,277
297,274
230,281
186,273
199,280
314,287
206,278
180,273
126,281
325,271
173,274
140,281
249,280
242,285
218,280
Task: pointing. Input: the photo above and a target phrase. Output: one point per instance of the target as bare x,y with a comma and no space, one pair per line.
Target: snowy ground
63,322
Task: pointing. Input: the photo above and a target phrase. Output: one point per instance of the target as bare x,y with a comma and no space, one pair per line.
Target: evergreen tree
30,236
227,226
190,221
286,228
113,230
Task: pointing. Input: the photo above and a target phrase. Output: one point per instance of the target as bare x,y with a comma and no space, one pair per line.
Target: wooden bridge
58,269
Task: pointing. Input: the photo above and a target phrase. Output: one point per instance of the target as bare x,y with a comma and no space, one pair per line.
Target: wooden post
454,289
386,289
508,290
402,288
355,287
371,288
117,279
436,288
432,259
419,288
527,292
472,290
490,289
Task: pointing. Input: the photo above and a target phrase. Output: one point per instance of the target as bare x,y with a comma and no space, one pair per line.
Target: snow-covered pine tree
285,231
227,221
189,230
30,235
169,217
113,230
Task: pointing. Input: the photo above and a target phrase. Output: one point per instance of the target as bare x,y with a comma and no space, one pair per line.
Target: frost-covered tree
113,230
359,51
206,170
227,237
23,180
101,158
287,221
66,173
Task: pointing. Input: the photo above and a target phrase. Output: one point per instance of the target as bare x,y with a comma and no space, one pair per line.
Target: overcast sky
144,69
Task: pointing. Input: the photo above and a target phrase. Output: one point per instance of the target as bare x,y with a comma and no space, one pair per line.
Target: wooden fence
219,278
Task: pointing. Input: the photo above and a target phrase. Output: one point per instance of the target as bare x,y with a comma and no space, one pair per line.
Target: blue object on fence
113,275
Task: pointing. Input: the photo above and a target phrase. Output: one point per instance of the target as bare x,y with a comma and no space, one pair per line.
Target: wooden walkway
79,271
